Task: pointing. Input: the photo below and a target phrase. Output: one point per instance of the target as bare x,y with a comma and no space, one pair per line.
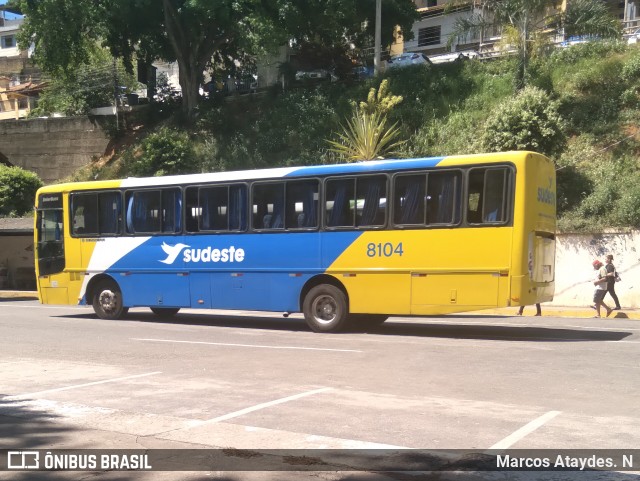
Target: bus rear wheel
107,301
165,311
325,309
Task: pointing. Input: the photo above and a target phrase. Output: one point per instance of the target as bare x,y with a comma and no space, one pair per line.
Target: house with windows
18,86
438,19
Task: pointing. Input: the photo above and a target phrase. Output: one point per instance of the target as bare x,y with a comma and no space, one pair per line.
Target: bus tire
325,309
165,311
107,301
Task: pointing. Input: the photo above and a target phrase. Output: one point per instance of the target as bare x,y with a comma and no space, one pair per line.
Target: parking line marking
248,345
525,430
257,407
76,386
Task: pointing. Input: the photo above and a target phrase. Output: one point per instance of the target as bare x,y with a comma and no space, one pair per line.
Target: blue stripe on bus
267,274
362,167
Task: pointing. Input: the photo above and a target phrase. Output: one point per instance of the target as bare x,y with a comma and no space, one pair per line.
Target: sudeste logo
208,254
172,252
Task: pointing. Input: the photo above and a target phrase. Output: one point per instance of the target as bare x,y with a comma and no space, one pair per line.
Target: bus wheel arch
325,304
104,293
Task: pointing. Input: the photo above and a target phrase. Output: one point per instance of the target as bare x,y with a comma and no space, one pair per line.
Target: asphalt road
257,381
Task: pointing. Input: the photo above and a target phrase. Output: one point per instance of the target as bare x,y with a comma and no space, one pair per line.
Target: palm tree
366,135
527,22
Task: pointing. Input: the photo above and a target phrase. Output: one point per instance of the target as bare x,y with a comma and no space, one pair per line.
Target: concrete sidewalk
548,310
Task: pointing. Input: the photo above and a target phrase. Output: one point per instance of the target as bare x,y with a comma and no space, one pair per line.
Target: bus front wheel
325,309
107,301
165,311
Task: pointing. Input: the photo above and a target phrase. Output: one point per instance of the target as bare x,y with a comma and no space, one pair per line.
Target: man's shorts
598,295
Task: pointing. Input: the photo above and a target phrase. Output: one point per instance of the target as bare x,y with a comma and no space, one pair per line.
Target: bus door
50,248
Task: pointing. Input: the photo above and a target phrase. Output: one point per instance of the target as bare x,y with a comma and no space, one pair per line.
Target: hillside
582,110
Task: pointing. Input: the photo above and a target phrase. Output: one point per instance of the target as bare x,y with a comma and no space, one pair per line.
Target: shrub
164,152
17,191
529,121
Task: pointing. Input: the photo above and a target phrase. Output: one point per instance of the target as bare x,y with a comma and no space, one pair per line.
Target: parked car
407,59
454,56
361,72
633,37
579,39
319,75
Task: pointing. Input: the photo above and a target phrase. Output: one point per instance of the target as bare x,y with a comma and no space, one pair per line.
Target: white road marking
247,345
76,386
257,407
524,431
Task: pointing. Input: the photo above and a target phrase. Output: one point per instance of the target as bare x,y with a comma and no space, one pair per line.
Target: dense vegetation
581,107
17,190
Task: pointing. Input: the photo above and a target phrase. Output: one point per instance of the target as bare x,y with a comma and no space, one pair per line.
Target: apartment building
438,18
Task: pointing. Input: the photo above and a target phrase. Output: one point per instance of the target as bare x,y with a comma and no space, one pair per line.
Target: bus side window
85,214
409,199
302,204
443,197
474,196
268,206
340,203
193,209
496,195
171,210
238,207
371,201
213,203
143,211
488,195
109,212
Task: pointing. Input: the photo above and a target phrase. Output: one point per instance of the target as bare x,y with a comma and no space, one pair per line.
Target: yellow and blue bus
343,244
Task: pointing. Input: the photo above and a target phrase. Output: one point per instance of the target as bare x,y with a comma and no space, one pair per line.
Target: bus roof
292,172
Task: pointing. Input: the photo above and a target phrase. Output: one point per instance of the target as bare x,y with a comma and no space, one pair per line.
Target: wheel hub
108,300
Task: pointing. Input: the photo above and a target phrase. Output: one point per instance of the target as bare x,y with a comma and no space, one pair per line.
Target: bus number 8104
384,250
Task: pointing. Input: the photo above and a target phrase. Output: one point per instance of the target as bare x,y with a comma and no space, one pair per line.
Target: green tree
330,33
94,85
17,191
528,24
164,152
194,33
529,121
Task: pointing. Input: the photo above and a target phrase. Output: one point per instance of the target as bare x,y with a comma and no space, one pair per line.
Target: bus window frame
284,182
509,190
121,218
385,224
198,187
158,188
459,204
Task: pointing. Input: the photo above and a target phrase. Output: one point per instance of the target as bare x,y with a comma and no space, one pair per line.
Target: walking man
611,280
600,281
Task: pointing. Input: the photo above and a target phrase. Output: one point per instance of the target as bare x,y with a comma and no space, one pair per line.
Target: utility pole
378,35
115,94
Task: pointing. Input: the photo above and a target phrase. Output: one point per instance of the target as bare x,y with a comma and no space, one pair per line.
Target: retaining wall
53,148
